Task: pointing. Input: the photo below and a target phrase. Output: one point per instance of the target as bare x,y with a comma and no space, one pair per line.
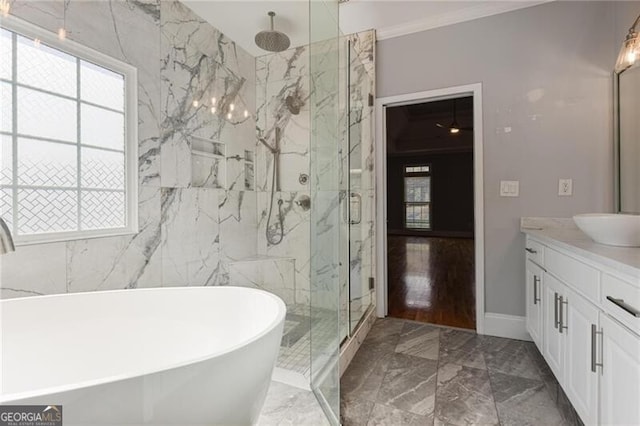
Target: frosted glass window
66,170
6,206
6,57
101,86
6,160
6,123
43,67
60,207
102,169
101,127
102,207
47,116
50,164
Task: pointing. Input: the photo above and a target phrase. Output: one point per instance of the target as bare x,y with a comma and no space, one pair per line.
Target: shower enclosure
358,295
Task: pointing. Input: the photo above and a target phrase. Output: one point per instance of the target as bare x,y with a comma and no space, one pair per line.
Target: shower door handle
358,202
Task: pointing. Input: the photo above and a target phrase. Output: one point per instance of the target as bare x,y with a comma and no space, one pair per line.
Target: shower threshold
301,323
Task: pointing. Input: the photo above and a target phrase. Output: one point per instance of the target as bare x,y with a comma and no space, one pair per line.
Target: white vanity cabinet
620,382
586,324
535,275
581,374
553,347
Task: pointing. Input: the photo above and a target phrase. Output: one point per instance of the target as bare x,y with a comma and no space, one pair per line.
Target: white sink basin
611,229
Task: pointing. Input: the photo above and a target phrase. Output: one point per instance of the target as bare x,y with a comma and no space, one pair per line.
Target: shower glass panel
327,244
360,183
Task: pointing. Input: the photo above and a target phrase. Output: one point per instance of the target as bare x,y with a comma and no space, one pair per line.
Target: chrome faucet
6,242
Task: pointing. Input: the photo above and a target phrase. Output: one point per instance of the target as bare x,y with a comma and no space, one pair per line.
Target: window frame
130,112
405,203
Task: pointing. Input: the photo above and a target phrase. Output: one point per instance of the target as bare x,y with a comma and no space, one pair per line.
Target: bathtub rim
6,398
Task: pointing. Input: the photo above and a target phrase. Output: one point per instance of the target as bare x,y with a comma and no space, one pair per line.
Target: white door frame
474,90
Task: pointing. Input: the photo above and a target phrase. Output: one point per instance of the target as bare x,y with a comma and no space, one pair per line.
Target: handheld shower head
272,40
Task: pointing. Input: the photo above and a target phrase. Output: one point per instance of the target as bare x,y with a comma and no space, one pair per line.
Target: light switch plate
565,187
509,188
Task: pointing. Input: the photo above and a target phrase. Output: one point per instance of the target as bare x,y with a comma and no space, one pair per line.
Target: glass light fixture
196,104
5,6
213,101
246,113
630,51
232,107
213,110
62,33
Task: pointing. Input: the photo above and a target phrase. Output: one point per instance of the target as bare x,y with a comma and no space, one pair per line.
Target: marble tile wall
190,228
282,102
276,275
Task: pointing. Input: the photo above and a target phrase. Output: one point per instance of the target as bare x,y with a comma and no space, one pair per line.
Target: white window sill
59,237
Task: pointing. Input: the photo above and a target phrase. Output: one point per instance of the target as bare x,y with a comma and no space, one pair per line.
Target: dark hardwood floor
432,280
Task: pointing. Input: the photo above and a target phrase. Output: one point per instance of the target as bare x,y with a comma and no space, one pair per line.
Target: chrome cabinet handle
536,281
555,311
561,314
594,333
620,303
530,250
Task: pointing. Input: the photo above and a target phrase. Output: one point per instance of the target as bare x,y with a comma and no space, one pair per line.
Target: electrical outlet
565,187
509,188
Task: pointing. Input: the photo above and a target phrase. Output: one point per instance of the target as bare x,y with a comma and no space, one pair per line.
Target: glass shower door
328,253
361,179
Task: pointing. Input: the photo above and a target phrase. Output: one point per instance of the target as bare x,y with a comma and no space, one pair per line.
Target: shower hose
275,238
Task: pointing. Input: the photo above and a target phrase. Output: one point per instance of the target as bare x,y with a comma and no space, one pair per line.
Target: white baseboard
510,326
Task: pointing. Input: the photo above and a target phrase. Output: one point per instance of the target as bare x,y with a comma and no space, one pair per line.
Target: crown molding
482,10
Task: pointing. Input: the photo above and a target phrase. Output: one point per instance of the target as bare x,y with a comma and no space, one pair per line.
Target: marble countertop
565,234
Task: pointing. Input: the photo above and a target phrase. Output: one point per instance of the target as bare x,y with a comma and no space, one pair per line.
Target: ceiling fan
454,128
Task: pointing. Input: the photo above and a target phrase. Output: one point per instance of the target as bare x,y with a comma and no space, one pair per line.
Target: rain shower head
272,40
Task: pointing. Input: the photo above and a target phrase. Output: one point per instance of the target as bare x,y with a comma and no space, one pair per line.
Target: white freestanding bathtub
166,356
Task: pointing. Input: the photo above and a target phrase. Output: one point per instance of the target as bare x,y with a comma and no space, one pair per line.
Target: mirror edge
617,207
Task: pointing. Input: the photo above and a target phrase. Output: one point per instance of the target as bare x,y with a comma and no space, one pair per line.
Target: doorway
431,237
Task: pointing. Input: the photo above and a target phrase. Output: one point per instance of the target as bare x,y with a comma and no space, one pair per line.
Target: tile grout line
435,395
493,395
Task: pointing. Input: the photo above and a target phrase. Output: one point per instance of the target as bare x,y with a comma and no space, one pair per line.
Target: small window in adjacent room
68,148
417,197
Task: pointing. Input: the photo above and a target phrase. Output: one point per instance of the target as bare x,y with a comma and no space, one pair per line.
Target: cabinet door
553,346
534,303
580,381
620,382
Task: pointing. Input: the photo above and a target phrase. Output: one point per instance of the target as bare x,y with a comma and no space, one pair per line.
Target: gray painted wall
546,73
